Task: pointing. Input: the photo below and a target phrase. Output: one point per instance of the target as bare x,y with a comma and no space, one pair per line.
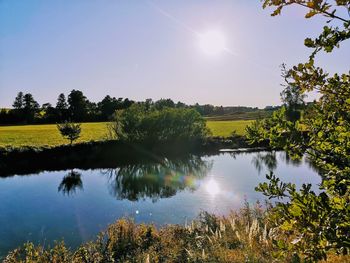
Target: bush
70,131
138,123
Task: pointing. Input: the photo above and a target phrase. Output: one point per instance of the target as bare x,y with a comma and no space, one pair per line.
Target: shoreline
112,153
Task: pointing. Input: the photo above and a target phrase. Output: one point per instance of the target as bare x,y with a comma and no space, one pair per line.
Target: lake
75,205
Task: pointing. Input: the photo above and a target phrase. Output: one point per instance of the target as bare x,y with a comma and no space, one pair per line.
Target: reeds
244,236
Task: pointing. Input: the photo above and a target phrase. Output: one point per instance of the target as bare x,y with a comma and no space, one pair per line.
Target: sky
152,49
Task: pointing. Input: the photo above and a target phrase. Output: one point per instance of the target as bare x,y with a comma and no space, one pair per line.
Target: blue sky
148,49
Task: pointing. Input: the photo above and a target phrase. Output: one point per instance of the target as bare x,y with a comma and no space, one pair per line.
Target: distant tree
108,106
18,103
78,105
61,102
92,111
127,103
61,109
30,107
164,103
29,103
180,104
208,109
70,131
48,114
149,103
292,97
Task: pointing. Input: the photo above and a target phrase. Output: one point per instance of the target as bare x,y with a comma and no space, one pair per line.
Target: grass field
225,128
48,135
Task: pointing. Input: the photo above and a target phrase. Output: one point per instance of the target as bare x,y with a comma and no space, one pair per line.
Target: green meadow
48,135
225,128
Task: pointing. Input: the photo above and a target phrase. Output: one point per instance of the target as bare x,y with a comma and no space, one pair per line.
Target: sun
212,42
212,187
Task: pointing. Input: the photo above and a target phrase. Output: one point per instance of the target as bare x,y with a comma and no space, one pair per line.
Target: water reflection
157,180
70,183
212,187
265,159
269,161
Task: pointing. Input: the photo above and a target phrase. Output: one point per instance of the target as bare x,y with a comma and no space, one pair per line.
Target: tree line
76,107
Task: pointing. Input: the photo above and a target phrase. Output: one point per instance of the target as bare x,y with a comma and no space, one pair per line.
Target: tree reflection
157,180
267,159
70,183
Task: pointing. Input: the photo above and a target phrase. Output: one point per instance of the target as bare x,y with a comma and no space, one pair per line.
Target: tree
18,103
29,103
61,102
318,222
70,131
30,107
108,106
78,105
61,108
164,103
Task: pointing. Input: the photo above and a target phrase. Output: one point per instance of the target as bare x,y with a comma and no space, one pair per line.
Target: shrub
139,123
70,131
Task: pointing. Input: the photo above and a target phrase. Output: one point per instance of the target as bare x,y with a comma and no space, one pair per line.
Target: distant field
48,135
225,128
253,115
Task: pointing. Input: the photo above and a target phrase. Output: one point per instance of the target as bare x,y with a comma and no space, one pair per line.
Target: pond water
75,205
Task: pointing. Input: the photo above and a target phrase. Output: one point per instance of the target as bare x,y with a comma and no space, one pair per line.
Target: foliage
79,108
18,103
70,131
78,105
139,123
319,222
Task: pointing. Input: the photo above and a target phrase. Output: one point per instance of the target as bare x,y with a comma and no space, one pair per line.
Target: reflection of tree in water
157,180
267,159
70,183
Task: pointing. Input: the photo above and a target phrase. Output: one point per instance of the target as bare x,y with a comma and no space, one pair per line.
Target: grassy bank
244,236
48,135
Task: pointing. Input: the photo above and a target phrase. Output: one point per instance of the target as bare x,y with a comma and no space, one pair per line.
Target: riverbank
243,236
108,154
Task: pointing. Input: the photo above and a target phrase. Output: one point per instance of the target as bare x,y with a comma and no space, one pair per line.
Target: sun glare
212,42
212,187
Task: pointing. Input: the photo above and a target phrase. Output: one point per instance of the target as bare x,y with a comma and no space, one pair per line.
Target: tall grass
245,236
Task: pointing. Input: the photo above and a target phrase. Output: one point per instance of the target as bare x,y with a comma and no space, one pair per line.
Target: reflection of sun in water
212,42
212,187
